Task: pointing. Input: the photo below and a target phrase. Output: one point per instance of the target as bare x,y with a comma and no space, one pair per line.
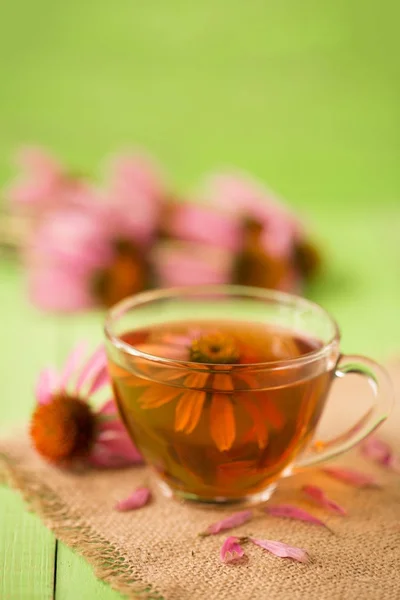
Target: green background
305,95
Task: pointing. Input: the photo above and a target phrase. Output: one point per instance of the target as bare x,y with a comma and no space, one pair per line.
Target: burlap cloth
156,552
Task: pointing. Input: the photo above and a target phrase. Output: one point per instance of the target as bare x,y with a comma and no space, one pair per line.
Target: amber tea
208,421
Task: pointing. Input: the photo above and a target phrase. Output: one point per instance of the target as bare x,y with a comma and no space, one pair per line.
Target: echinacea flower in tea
66,430
208,349
196,398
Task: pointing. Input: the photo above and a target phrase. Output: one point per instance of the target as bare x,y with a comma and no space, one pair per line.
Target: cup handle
382,391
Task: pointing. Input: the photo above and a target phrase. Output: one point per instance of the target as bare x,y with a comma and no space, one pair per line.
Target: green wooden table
301,93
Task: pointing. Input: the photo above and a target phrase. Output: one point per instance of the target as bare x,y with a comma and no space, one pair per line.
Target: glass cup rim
284,298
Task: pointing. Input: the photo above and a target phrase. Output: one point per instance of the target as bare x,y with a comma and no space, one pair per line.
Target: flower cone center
216,348
254,266
127,275
63,429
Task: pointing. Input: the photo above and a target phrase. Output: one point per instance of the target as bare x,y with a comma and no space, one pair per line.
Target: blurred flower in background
88,246
43,184
93,244
238,233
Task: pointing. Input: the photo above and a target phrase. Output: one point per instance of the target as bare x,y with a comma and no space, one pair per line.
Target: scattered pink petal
351,476
394,463
381,453
46,385
317,494
377,450
139,498
229,522
231,550
282,550
289,511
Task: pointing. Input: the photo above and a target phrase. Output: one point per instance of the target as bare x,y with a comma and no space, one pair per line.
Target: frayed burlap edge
107,561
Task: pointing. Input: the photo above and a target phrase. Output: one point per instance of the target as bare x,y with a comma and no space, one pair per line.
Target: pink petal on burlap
229,522
46,385
351,476
288,511
393,463
376,450
381,453
281,549
138,499
319,496
231,550
72,364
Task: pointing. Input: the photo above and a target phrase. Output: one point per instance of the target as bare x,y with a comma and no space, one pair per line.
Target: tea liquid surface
213,428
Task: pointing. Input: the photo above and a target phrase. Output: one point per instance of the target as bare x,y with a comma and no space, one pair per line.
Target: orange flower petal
166,374
260,427
222,422
156,395
272,414
231,471
117,372
188,411
250,380
223,381
196,380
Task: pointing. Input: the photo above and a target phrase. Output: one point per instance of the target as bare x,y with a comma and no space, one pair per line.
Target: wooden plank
75,578
27,552
27,548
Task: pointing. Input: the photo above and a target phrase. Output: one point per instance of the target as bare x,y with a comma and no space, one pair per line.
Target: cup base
250,499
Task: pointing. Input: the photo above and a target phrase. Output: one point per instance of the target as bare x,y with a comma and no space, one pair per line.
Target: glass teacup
222,387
